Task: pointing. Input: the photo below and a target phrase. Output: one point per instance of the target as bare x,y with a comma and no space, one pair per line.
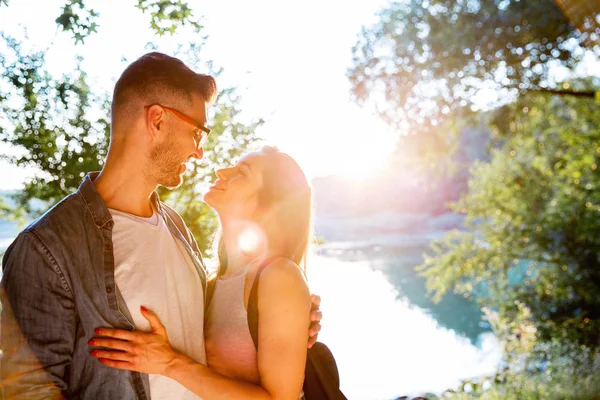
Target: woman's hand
149,353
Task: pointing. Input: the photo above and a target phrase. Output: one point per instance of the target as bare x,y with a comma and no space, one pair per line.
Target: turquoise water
397,263
388,338
8,231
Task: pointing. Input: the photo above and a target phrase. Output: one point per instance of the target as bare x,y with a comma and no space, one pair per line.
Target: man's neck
124,188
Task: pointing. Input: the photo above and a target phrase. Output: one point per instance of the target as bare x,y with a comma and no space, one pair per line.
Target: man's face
168,158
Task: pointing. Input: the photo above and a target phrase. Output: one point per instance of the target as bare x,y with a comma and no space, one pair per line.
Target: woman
264,206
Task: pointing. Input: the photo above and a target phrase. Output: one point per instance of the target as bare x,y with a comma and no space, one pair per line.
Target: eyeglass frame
203,138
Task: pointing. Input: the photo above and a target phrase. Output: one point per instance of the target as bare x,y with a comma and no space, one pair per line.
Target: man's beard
165,164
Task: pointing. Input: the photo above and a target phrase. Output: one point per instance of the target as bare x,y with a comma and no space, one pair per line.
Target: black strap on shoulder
252,311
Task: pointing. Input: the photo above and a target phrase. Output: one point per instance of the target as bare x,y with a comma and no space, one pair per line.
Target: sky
287,59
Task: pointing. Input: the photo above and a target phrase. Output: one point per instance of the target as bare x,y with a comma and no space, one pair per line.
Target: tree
425,61
4,209
166,16
48,118
532,240
61,126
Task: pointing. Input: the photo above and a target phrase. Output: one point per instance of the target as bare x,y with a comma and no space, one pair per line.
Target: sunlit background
287,62
377,212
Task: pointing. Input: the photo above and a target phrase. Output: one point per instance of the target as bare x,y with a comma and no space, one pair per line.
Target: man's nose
198,153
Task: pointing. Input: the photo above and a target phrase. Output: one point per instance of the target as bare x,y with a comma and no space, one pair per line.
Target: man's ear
155,121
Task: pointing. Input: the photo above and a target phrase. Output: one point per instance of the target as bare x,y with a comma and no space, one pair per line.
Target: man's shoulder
66,223
61,227
69,210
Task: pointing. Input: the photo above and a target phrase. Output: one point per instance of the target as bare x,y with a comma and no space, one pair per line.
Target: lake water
8,231
388,338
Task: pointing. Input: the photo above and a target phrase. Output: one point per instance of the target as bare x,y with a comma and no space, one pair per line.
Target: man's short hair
158,78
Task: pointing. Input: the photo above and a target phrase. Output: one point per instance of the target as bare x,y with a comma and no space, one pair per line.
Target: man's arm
38,322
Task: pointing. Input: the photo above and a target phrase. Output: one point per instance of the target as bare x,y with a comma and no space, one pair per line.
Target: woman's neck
237,259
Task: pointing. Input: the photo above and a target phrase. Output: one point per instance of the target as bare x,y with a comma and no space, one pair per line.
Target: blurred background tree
4,209
60,126
529,251
49,121
531,243
425,62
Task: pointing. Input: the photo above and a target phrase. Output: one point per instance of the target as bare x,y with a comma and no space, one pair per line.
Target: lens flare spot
249,240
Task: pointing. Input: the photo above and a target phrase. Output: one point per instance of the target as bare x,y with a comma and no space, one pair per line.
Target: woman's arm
210,385
283,298
283,301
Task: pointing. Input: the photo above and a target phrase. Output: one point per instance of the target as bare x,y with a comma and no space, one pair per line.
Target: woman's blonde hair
284,209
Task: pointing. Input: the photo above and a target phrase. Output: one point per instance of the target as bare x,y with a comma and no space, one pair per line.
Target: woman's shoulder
282,266
283,271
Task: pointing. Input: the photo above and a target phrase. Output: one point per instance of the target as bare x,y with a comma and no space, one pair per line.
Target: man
111,247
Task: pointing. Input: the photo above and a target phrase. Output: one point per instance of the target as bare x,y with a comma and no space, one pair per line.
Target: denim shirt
58,284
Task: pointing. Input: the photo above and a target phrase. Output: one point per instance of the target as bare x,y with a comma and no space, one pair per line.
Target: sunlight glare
378,334
346,140
250,239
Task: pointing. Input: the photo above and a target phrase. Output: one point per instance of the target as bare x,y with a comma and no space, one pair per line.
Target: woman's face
235,193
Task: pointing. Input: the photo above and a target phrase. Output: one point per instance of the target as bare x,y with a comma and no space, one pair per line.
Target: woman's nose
221,174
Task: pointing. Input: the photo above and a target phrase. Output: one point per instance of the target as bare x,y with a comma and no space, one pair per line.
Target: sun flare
249,241
356,147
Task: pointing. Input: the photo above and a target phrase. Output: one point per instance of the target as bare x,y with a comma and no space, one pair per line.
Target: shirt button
109,247
108,289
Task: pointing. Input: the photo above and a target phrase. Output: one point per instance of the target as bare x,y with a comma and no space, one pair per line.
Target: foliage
165,17
4,209
530,251
78,20
61,126
565,379
426,60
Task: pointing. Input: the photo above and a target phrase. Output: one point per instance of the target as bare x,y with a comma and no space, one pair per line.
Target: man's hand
315,319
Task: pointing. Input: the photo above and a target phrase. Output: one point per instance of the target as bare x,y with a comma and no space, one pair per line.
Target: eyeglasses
200,132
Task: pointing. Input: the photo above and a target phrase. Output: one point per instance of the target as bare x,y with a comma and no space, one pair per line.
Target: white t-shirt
154,269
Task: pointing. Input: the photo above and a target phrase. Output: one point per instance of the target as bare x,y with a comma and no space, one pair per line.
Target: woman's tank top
229,347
